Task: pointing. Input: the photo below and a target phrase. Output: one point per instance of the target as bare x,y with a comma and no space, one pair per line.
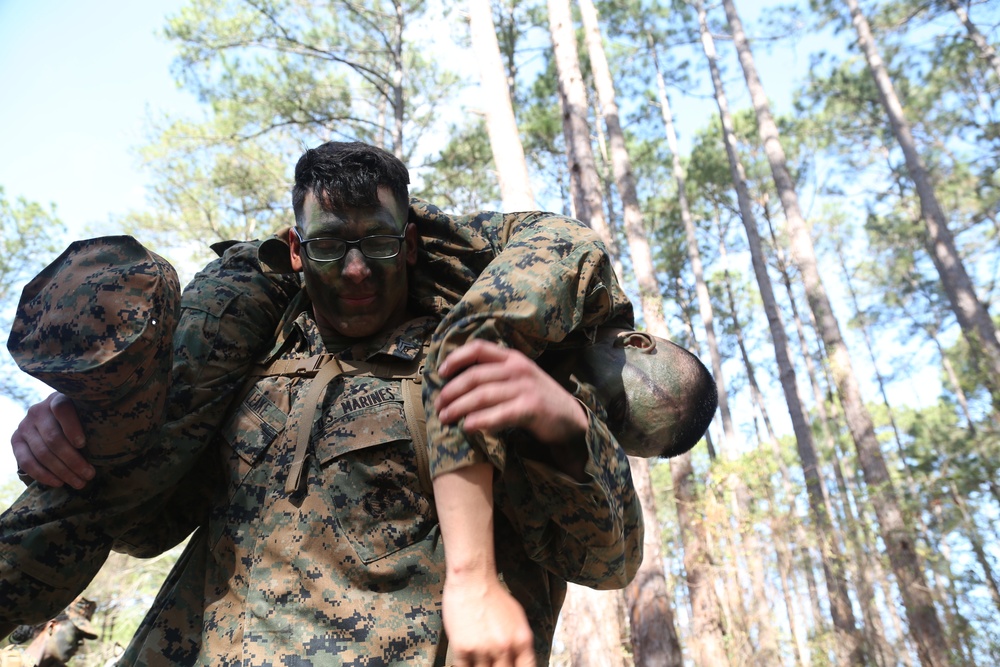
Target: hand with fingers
494,388
486,627
48,441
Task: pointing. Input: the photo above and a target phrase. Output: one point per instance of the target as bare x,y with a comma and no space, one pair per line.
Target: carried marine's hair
347,175
702,402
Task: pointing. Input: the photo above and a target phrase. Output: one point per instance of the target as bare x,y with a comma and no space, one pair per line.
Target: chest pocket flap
369,469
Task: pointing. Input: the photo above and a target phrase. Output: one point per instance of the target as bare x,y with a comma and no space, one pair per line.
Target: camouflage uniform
96,324
230,306
347,569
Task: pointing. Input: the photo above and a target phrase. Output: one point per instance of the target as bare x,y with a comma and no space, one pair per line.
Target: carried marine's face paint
640,380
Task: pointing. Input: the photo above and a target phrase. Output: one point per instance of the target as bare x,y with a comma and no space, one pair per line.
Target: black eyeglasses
328,249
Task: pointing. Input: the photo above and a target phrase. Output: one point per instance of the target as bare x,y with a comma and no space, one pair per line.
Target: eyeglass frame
304,242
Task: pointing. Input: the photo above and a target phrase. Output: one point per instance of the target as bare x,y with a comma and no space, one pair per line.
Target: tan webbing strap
313,398
324,368
296,367
416,420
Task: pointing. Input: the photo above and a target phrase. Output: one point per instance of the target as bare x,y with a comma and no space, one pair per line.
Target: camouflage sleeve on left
229,312
589,532
551,281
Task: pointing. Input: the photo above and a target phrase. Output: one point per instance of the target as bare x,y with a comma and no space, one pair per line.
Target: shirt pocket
249,433
369,472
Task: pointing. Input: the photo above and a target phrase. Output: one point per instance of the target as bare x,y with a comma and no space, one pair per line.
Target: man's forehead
365,220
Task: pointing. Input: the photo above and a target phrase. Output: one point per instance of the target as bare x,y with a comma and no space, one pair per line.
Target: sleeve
549,280
588,532
229,314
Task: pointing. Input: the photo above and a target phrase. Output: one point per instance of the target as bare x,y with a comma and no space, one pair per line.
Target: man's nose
355,266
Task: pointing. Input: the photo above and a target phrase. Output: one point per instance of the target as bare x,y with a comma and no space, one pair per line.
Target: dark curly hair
347,175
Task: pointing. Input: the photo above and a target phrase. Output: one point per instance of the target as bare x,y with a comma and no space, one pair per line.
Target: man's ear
295,249
636,339
412,242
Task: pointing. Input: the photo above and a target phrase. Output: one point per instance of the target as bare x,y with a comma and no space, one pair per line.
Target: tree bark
706,626
587,205
651,615
635,230
508,153
919,604
783,555
397,80
973,318
583,169
592,639
849,647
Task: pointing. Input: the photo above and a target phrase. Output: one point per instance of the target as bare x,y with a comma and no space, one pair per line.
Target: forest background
831,255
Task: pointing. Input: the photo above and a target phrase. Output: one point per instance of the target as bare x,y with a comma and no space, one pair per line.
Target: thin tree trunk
584,168
784,558
694,347
848,645
976,541
704,302
588,204
780,535
768,652
986,51
592,640
919,604
651,616
508,153
975,321
874,628
706,627
959,625
635,230
397,81
577,205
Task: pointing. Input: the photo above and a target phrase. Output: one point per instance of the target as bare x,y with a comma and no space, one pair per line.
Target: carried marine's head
660,398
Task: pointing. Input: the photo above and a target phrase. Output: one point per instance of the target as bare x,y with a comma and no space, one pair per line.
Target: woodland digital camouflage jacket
348,569
228,314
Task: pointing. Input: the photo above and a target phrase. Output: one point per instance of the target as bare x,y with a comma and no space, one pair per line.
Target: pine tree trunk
975,322
976,541
874,629
651,616
781,538
766,652
784,558
986,51
592,639
398,107
706,626
919,604
583,168
704,302
588,207
508,153
848,645
635,230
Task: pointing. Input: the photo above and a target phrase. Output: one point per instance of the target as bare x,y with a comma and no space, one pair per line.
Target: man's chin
359,327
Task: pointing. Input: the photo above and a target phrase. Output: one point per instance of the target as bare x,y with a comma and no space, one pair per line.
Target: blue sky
79,78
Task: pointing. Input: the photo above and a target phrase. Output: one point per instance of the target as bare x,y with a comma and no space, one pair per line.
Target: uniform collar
403,342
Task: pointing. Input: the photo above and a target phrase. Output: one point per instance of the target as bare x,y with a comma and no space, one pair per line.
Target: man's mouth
358,300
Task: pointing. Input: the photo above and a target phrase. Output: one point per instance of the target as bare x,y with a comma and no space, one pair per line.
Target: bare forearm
464,500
